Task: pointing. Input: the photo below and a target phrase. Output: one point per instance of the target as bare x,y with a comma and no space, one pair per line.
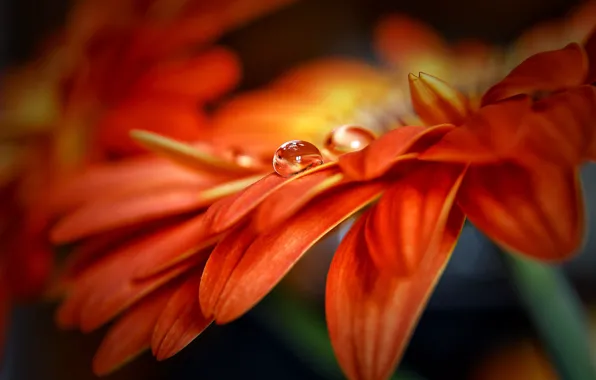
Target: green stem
557,314
305,332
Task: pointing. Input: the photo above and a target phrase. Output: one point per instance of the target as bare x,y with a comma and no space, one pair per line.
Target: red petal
590,47
181,321
272,255
487,136
409,220
110,286
547,71
371,313
378,157
204,77
221,264
116,213
560,127
536,211
131,334
291,197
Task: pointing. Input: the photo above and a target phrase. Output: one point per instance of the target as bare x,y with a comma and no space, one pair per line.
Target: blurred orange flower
488,164
156,206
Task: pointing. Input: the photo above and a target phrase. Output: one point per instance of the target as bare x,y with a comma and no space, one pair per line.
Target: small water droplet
241,158
348,138
296,156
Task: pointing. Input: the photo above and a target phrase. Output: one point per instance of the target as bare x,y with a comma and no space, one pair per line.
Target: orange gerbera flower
142,232
489,164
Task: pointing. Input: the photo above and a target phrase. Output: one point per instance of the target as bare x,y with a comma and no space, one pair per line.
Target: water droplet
241,158
296,156
348,138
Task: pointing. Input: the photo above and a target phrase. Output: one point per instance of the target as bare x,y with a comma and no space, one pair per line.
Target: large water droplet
296,156
348,138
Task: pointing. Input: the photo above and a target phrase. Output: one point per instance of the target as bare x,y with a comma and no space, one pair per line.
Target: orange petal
181,320
172,117
487,136
174,246
380,155
291,197
191,156
436,102
409,220
111,214
536,211
560,127
220,266
110,286
130,176
371,313
547,71
131,334
272,255
205,77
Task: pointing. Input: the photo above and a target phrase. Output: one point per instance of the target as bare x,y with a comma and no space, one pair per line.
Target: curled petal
547,71
380,155
561,127
371,313
131,334
437,102
536,211
271,255
487,136
409,220
181,320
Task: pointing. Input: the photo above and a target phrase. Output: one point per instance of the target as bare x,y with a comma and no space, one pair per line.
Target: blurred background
474,326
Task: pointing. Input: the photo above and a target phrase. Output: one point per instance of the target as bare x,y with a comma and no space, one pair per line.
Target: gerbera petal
131,334
536,211
289,198
272,255
380,155
590,47
560,128
487,136
226,212
547,71
185,154
410,218
435,101
180,120
181,320
371,313
204,77
221,264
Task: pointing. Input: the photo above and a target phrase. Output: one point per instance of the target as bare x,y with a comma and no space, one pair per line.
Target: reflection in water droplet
296,156
348,138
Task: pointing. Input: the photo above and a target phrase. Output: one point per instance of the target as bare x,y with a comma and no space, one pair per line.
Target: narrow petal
131,334
487,136
228,211
378,157
536,211
110,286
547,71
435,101
409,220
272,255
183,153
560,127
181,320
221,264
290,198
371,313
205,77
